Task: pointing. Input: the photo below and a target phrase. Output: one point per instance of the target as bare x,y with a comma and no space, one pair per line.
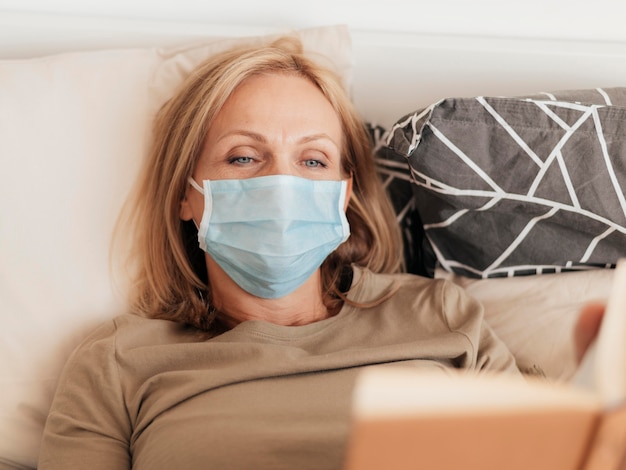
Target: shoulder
424,297
125,332
99,344
114,348
368,285
110,329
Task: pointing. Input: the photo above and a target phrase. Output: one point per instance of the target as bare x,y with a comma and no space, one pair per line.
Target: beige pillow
73,129
535,315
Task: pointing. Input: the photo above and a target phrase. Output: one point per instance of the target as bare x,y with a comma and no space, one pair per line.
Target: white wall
438,48
566,19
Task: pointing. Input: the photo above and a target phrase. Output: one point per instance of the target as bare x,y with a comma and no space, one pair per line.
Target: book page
603,368
402,391
406,419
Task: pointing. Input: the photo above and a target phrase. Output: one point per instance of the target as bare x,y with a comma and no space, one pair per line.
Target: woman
267,264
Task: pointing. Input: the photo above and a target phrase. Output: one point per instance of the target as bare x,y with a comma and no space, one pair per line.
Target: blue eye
240,160
313,164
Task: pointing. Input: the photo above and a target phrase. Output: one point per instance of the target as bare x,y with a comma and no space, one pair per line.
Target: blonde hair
170,280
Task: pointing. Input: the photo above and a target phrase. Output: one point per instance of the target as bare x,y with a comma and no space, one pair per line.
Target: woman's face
271,124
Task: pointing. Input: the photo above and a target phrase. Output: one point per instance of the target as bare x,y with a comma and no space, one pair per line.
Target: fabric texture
535,315
266,255
74,129
396,178
260,395
513,186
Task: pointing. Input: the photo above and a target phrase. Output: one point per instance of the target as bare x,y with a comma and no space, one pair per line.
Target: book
405,419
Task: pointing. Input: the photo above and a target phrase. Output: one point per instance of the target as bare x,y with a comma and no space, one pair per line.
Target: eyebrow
262,139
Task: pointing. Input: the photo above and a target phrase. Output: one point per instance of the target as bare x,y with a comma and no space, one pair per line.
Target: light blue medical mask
271,233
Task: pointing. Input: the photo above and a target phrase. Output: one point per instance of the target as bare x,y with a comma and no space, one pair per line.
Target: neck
303,306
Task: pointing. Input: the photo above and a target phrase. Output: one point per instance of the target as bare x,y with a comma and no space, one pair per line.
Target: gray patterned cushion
396,178
527,185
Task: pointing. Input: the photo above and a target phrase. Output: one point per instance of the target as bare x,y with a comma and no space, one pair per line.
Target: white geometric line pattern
557,150
512,186
468,161
396,177
510,131
605,154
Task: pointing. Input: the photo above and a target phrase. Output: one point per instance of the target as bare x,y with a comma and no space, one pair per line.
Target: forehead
279,98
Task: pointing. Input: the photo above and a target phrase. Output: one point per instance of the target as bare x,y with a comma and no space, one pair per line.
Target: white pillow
535,315
73,129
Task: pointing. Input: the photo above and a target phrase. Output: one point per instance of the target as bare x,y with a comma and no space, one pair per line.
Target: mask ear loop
211,310
198,188
195,185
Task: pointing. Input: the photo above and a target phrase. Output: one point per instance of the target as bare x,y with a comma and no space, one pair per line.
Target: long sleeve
88,426
465,315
